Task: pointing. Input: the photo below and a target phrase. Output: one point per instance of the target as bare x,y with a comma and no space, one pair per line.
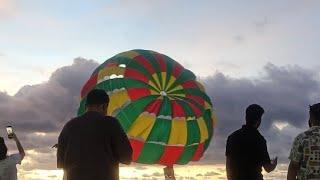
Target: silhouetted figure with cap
90,147
305,153
246,150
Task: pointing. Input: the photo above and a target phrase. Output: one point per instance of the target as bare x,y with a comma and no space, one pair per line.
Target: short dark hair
97,97
3,149
254,113
315,111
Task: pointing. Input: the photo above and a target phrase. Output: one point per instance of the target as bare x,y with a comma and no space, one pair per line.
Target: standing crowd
91,147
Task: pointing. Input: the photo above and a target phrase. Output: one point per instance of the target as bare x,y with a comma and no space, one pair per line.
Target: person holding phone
8,169
247,150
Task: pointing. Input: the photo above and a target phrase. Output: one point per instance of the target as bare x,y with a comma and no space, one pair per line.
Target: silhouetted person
305,152
90,147
246,149
8,169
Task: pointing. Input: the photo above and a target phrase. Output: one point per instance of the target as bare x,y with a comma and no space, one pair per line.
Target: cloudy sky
245,52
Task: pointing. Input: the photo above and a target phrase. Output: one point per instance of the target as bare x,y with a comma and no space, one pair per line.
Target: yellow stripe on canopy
178,134
164,79
142,126
203,129
207,105
201,86
170,82
214,119
156,79
117,99
152,84
110,71
177,88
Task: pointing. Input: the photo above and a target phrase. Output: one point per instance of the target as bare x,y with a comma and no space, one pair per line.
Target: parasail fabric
164,110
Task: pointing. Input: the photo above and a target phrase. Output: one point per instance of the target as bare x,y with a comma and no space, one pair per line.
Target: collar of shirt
314,127
249,127
93,112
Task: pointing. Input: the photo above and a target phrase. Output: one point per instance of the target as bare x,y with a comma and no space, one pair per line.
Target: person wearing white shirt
8,169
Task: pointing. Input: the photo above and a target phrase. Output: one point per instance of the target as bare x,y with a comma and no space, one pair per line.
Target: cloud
239,39
284,92
261,25
38,112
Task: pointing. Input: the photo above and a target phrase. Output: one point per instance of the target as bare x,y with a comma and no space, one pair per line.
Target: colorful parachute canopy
165,112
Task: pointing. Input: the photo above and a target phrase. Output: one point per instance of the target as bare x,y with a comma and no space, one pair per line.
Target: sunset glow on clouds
192,172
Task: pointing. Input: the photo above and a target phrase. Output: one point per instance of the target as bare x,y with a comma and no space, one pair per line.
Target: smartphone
9,132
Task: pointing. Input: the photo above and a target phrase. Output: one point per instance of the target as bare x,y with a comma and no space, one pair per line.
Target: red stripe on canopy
161,62
195,109
137,148
154,107
171,155
89,85
111,64
197,99
137,93
177,69
199,153
145,63
177,109
189,84
134,74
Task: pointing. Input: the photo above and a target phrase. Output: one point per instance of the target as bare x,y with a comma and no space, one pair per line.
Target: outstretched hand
272,165
55,146
274,161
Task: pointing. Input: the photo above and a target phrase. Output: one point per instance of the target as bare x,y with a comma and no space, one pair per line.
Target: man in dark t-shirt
246,149
92,146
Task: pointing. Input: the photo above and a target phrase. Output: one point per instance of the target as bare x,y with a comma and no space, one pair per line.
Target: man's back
91,147
247,151
306,152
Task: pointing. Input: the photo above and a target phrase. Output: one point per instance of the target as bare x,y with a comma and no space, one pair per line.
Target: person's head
314,112
97,100
3,149
254,113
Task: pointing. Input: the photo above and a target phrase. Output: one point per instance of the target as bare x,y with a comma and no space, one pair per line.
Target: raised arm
19,146
121,147
268,165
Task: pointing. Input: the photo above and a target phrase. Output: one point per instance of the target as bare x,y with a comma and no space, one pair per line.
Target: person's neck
94,110
315,125
251,126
